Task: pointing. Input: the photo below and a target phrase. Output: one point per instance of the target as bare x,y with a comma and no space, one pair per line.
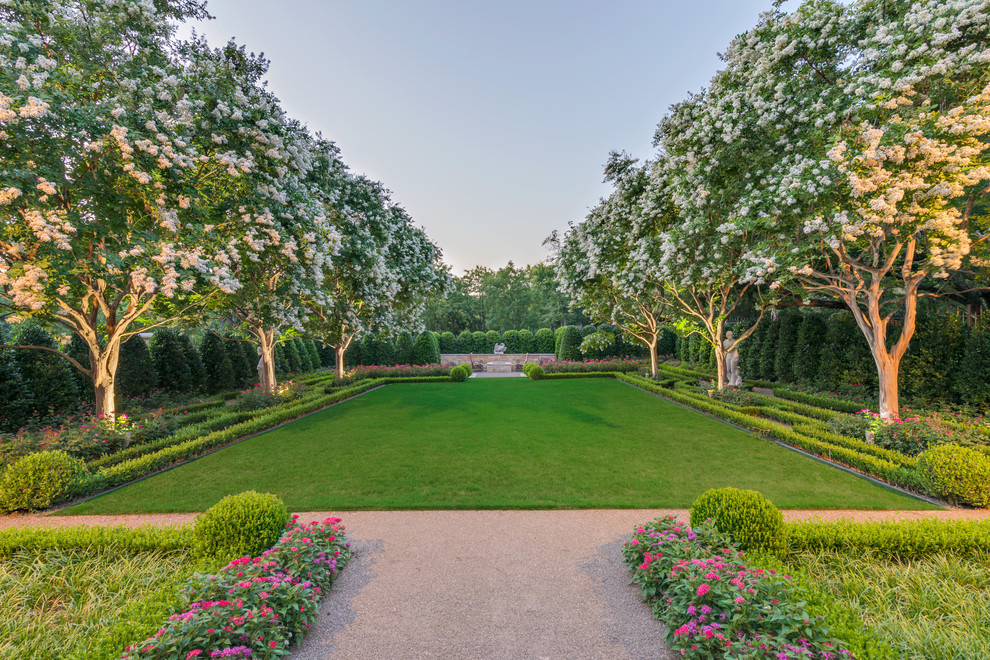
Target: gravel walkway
485,584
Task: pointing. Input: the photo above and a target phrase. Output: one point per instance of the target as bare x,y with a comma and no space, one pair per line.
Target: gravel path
485,584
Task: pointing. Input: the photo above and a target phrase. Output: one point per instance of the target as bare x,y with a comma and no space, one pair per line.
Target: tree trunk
887,370
266,346
653,358
340,359
103,367
720,364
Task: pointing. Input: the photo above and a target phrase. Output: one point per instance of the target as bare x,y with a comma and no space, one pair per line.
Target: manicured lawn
501,443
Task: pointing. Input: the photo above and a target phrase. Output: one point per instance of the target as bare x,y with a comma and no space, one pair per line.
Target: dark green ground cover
501,443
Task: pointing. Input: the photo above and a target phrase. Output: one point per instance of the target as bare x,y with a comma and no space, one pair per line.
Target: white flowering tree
606,264
705,256
113,166
864,130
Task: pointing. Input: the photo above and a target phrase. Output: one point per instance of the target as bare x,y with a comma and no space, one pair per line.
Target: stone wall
492,362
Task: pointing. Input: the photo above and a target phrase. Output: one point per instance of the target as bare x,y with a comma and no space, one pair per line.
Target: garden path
485,584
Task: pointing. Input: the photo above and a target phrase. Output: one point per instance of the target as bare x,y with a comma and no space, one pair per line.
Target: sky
490,122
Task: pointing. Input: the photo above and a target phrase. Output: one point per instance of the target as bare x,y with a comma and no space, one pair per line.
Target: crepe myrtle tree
116,158
606,263
865,129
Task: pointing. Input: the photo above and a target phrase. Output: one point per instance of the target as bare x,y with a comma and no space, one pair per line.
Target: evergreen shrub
478,342
448,343
243,525
47,378
425,350
305,363
460,373
169,358
37,481
527,342
746,515
570,344
135,370
511,340
787,335
959,474
404,348
535,372
314,355
197,373
465,340
492,337
544,341
807,352
216,362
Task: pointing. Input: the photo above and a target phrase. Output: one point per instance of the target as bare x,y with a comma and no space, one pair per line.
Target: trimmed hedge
171,538
908,539
839,405
959,474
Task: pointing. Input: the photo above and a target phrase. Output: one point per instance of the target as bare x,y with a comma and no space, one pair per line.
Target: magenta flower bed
253,608
714,605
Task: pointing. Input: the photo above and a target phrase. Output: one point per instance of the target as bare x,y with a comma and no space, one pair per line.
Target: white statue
499,349
732,377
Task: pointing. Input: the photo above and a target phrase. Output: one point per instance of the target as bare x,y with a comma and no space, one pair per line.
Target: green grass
79,603
500,443
935,608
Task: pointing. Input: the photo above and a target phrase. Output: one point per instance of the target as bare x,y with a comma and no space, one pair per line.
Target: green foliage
747,516
570,343
197,372
934,357
376,350
216,361
465,340
448,343
14,398
404,348
292,359
807,352
460,373
78,351
544,339
971,378
47,378
281,360
906,539
842,621
959,474
787,335
39,480
426,349
244,373
831,403
749,353
241,525
169,358
666,342
305,363
478,343
534,371
558,336
511,340
135,370
314,355
768,351
527,342
119,539
492,337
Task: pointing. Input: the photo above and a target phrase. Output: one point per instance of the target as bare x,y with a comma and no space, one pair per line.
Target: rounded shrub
460,373
527,342
426,349
36,481
543,341
535,372
959,474
404,348
448,343
746,515
239,525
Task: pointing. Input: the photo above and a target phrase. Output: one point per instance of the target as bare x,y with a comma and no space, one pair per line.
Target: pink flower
703,589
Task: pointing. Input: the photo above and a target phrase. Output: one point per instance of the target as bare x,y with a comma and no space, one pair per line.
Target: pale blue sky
489,121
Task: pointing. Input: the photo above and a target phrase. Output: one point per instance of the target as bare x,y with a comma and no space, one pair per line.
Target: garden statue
261,367
499,349
731,361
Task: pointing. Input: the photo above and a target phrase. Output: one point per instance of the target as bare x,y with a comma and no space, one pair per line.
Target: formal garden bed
244,580
739,582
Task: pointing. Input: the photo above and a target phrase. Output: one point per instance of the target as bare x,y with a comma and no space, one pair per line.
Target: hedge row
172,538
910,539
830,403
